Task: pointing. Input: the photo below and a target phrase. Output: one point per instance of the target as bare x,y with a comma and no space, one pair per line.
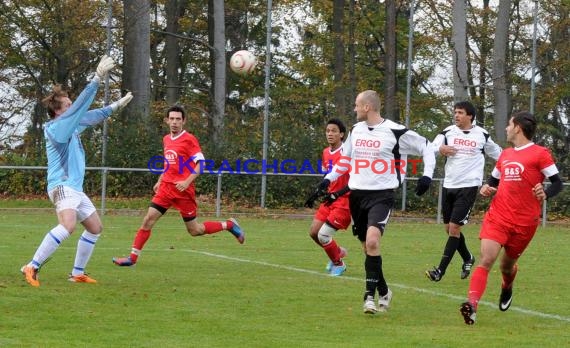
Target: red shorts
185,202
513,238
335,215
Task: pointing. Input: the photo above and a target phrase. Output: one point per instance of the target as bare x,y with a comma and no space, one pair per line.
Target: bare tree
340,95
459,46
391,110
174,11
351,52
217,38
500,89
136,64
485,52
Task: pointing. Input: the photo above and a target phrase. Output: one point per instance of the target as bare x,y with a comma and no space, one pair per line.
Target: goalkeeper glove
105,65
121,103
423,185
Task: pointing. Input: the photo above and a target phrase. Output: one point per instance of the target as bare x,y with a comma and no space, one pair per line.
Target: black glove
310,202
423,185
323,186
331,197
320,190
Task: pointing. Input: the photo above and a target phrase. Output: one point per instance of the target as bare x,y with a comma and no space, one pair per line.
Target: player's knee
454,230
195,229
326,234
70,227
96,229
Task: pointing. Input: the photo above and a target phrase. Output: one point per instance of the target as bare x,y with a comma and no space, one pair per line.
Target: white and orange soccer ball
243,62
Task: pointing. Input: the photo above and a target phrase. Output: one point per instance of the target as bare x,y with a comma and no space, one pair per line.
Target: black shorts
370,208
457,204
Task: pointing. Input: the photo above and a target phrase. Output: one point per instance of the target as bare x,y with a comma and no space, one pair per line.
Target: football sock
373,270
509,279
49,244
85,246
382,286
448,251
140,239
333,252
462,248
214,226
477,285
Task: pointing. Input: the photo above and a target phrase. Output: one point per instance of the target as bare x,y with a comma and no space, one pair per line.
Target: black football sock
373,270
450,247
462,248
382,286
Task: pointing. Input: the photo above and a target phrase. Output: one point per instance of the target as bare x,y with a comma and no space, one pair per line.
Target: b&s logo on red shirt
171,156
512,170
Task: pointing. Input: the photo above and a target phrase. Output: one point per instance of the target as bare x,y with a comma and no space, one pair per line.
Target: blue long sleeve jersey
66,157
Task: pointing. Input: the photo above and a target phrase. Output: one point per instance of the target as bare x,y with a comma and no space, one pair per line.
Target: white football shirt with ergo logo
372,155
465,168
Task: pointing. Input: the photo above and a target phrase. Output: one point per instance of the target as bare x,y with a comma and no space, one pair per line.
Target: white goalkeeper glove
121,103
105,65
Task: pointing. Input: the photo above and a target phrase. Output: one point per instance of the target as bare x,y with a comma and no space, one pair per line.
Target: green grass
270,292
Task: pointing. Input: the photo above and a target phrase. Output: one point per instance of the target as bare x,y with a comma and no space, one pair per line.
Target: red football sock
140,239
509,279
477,285
333,251
213,227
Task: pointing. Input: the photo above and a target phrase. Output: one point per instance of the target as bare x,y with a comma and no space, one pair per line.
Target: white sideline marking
396,285
401,286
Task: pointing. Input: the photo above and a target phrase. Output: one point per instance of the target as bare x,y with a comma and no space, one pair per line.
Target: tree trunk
174,11
217,37
390,87
459,43
500,90
351,59
485,52
340,97
136,64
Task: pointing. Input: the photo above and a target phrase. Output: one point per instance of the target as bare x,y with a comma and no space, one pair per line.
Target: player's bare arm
539,193
184,184
487,191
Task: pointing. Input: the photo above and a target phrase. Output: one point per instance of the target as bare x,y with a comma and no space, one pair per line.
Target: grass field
270,292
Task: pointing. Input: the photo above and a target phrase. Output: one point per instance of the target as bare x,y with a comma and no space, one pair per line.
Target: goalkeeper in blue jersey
66,171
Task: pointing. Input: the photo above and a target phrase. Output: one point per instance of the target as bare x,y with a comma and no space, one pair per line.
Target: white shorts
64,197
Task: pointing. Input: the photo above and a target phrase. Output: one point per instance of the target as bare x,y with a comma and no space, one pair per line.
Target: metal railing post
219,196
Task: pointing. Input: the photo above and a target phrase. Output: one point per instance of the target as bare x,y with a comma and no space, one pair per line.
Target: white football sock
49,245
85,246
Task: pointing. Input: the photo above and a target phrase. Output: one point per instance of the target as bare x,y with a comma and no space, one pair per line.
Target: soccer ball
243,62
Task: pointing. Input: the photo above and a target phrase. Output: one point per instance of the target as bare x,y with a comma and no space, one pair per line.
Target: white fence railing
105,170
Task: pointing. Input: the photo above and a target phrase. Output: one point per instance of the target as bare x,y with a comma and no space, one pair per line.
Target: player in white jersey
465,146
376,154
66,170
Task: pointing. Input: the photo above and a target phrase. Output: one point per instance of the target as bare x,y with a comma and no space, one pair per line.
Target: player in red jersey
333,214
514,213
176,188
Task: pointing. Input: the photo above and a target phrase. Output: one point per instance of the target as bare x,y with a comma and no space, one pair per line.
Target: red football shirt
520,170
330,158
181,152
